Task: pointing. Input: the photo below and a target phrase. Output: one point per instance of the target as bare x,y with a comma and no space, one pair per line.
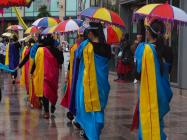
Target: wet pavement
19,122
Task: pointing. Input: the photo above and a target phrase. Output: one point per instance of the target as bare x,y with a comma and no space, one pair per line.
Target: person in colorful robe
154,61
67,97
92,89
14,56
25,80
45,73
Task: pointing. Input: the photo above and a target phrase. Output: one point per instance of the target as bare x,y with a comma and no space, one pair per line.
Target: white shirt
2,49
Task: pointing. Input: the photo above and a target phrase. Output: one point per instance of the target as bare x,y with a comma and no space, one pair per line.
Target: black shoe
70,116
76,124
13,82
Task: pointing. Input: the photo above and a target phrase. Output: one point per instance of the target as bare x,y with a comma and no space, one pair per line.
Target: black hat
94,26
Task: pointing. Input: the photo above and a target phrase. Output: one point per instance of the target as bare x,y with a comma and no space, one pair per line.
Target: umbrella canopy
164,11
113,35
26,39
45,22
103,14
15,27
32,29
79,22
67,26
49,30
7,34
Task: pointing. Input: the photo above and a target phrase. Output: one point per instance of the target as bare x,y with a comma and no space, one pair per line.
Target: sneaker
46,115
135,81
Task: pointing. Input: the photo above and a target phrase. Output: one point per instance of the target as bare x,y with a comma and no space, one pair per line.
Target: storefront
177,41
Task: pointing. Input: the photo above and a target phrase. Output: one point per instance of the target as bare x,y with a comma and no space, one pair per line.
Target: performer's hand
31,76
16,68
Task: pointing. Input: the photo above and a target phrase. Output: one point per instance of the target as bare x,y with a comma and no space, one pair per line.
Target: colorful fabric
13,55
45,22
46,75
6,68
7,54
38,75
103,14
67,97
154,96
67,26
91,95
163,11
113,34
32,29
76,63
33,50
92,122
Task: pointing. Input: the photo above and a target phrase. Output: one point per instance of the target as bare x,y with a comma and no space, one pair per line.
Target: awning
10,3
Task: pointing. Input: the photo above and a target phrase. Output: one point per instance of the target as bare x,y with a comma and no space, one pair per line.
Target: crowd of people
87,83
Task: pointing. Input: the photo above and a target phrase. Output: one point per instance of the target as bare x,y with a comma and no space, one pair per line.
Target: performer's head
31,42
95,32
155,30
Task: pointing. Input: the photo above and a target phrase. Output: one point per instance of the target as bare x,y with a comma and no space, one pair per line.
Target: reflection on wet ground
19,122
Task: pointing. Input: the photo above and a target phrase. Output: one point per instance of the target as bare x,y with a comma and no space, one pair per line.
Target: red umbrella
103,14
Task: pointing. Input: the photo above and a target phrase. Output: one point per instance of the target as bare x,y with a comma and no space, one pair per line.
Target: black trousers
2,59
45,103
14,74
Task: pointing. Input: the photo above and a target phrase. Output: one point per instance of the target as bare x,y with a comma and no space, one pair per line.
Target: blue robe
92,122
76,63
163,86
6,68
13,56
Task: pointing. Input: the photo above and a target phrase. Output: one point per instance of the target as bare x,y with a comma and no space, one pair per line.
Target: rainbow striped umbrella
164,12
113,35
103,14
49,30
45,22
79,22
32,29
67,26
15,27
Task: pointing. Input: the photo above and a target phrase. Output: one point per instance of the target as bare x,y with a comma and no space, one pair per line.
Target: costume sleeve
33,68
25,59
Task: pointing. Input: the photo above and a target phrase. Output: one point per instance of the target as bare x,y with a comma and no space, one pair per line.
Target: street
19,122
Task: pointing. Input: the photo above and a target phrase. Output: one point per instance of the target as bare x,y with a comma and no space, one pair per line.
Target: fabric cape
154,94
92,90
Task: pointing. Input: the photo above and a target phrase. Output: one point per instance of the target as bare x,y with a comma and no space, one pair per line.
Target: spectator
2,51
124,60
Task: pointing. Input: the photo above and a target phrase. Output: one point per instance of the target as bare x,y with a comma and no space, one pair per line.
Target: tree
43,12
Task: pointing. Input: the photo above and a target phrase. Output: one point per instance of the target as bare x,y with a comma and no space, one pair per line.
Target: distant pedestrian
125,58
2,51
14,56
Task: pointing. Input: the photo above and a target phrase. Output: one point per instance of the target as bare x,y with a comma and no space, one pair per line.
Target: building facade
30,14
177,40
